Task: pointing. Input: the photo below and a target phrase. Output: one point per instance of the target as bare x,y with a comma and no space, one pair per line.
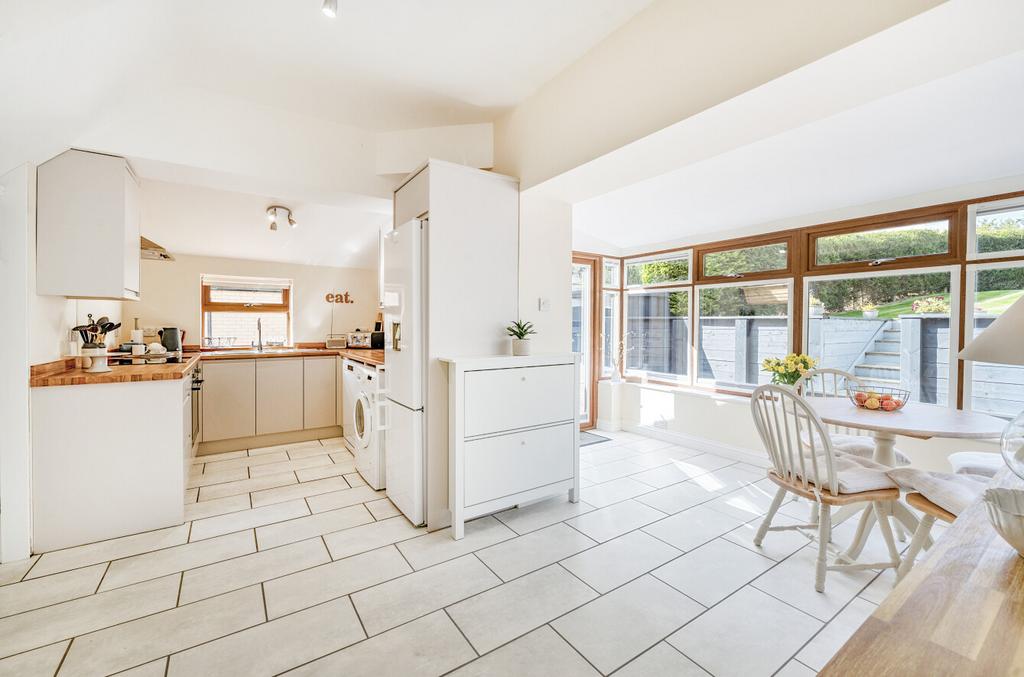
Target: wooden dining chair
804,464
929,513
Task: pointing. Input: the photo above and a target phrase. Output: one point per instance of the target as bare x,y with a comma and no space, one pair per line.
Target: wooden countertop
958,612
364,355
67,373
373,356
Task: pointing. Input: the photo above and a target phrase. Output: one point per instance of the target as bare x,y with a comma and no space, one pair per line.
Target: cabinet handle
522,443
522,378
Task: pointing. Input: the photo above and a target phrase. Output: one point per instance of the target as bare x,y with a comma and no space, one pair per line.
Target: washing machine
364,428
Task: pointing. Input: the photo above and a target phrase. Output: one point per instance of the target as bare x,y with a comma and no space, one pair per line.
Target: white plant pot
520,347
870,314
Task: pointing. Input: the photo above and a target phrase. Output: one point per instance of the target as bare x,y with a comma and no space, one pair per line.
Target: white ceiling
964,128
202,221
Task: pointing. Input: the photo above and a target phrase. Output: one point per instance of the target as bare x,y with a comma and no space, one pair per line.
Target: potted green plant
869,310
520,332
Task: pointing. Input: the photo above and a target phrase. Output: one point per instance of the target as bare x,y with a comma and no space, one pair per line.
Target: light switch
543,304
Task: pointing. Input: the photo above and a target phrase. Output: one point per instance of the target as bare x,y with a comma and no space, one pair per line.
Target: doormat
590,438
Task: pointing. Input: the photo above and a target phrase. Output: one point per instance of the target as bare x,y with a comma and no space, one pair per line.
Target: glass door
583,332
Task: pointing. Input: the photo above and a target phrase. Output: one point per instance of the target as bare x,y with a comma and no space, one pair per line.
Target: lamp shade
1002,342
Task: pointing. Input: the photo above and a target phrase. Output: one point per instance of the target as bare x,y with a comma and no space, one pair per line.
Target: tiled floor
290,562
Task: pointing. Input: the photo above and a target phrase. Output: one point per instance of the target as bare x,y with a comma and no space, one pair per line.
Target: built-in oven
197,402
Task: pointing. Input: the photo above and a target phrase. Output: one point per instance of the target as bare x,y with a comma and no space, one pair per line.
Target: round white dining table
922,421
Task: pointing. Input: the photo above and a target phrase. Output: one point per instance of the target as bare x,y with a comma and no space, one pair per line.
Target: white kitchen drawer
508,464
508,399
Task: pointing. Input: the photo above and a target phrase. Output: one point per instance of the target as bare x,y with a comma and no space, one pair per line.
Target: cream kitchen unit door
229,399
319,392
279,384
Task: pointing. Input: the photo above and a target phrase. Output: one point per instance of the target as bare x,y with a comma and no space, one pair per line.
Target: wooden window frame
788,239
656,376
209,306
869,224
801,265
664,255
597,278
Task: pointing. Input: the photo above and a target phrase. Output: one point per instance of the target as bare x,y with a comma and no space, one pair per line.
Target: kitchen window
744,261
922,239
236,309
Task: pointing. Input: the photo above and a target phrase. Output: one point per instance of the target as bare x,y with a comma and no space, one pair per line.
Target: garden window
236,310
891,329
659,270
886,244
996,389
610,357
746,260
657,332
996,229
739,325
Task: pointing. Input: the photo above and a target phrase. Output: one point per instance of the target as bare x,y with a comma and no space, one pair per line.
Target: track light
277,213
330,8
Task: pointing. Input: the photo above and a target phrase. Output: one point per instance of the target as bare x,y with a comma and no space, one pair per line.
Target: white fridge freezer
402,273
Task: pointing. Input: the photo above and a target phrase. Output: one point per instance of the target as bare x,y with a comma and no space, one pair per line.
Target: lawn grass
990,302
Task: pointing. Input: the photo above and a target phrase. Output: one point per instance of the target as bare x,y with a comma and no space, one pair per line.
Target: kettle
171,338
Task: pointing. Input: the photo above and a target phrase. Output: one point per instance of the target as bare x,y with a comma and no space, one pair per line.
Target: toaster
359,339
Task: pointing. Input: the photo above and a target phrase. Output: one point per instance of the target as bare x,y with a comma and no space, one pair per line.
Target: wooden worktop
958,612
67,373
365,355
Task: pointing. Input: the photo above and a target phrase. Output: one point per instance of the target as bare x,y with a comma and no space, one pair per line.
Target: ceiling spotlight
330,8
277,214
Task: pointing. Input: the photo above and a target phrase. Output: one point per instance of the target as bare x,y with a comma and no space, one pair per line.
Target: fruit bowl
878,399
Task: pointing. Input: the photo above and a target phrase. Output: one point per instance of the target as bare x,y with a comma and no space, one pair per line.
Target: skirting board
610,426
701,444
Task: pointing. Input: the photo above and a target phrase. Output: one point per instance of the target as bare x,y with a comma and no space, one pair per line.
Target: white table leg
884,449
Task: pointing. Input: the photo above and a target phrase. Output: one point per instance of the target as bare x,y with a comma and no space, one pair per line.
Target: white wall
545,268
171,295
725,420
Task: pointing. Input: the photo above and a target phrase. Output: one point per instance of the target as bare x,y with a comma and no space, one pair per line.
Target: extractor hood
154,252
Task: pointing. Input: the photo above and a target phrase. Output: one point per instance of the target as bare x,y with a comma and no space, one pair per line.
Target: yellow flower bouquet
788,370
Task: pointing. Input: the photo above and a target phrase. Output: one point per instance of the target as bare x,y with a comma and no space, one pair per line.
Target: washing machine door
362,416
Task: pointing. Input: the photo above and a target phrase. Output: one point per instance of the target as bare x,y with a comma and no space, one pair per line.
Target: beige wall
171,295
545,267
671,61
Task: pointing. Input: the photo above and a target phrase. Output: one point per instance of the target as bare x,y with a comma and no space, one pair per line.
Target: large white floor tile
660,661
533,516
382,508
220,506
246,461
777,545
760,634
308,451
619,560
104,551
680,470
273,535
607,493
533,551
389,604
337,468
617,627
12,572
615,520
425,647
677,497
538,654
140,641
41,661
247,519
319,584
611,471
497,616
713,571
241,572
179,558
293,465
793,581
833,636
245,486
40,592
879,588
750,501
439,546
370,536
294,491
606,454
272,648
203,479
157,668
795,668
51,624
694,527
342,498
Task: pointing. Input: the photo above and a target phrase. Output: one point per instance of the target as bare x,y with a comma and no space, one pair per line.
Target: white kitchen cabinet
319,392
87,222
513,432
229,399
279,395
